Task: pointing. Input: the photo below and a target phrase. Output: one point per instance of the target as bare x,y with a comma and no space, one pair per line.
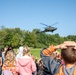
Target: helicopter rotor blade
44,24
54,23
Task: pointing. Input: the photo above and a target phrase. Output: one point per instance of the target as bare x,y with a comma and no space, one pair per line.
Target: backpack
7,72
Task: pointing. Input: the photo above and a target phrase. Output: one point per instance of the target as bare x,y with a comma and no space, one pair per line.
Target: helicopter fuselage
50,29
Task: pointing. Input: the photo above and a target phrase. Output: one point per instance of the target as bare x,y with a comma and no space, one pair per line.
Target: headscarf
20,53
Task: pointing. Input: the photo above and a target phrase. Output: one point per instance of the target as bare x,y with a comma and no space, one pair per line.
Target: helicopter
49,28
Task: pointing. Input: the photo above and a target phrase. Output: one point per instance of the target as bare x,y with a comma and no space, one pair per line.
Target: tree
15,41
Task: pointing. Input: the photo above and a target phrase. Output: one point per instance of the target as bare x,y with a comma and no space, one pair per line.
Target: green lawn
36,52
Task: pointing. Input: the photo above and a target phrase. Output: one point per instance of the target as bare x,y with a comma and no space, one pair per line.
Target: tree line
17,37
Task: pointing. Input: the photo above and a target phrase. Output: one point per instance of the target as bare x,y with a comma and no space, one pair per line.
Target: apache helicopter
49,28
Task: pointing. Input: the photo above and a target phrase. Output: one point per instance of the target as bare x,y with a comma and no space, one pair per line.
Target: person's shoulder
60,72
75,70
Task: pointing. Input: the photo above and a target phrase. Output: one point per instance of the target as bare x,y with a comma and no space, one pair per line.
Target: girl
9,63
25,64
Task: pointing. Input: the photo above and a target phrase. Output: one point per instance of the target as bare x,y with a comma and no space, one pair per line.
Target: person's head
2,49
9,58
10,55
10,48
26,51
69,55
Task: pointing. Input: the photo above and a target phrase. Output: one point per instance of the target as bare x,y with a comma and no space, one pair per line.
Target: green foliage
15,40
35,39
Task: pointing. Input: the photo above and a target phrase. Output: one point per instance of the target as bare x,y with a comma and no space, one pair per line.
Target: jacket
51,66
25,65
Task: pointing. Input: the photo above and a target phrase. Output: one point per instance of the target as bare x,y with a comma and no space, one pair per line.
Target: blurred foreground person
68,55
9,64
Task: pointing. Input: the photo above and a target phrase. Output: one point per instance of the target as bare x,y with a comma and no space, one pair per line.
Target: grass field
36,52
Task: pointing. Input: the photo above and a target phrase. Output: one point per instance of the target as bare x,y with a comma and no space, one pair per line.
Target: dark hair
10,48
69,55
2,49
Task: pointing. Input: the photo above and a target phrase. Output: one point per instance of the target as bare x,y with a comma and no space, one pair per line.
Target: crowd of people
51,62
17,64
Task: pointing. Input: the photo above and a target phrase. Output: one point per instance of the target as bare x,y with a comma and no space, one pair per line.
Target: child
9,63
68,54
25,64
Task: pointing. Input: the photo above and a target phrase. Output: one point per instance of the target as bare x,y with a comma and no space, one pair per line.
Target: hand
65,45
68,43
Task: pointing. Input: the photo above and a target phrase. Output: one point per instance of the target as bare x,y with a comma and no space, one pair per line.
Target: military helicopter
49,28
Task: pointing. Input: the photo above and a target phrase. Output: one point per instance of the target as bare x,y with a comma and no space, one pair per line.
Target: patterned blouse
11,68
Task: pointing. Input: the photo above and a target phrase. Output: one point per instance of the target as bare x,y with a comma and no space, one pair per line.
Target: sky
28,14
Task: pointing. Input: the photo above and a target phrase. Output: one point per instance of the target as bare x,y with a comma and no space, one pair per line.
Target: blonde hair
9,58
26,51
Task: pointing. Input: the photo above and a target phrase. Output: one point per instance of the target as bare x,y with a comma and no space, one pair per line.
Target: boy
68,54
